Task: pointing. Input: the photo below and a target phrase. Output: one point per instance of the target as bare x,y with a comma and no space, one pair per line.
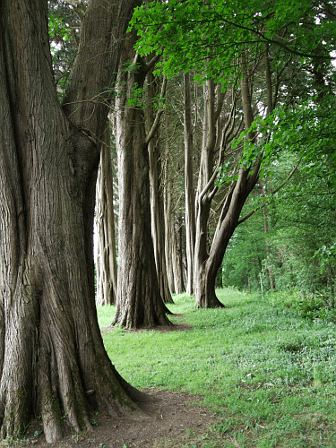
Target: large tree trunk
139,303
105,246
52,359
156,196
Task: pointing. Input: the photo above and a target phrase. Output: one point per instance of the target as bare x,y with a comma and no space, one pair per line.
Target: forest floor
173,419
255,374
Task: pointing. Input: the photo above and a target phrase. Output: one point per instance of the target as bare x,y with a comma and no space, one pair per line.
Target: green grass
268,374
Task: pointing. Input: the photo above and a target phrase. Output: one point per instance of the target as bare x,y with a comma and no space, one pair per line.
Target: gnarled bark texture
139,303
156,194
52,359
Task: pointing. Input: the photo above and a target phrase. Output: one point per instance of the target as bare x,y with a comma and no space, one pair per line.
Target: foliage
301,228
210,37
64,28
266,373
306,129
244,259
219,39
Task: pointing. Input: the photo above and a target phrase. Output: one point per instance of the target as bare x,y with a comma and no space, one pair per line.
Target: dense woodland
199,138
281,230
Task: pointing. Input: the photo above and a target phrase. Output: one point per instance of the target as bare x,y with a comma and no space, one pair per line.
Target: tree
207,263
156,184
189,185
139,303
225,41
105,244
52,359
172,213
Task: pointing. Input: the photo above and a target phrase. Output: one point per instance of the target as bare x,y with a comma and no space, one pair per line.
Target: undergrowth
310,306
267,373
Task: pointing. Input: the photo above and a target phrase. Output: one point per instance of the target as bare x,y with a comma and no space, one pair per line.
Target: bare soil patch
173,419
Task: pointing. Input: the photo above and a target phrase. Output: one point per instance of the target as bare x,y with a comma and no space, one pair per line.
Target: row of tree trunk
150,262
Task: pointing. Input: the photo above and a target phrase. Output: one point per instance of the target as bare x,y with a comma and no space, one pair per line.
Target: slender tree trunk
169,234
157,209
229,217
52,358
189,186
227,223
139,302
105,245
204,298
178,256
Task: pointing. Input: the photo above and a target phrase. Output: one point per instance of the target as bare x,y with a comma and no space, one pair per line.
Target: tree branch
159,113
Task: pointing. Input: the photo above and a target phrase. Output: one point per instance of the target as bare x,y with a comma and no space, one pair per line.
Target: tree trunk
204,296
266,230
174,261
52,358
227,223
189,186
139,302
178,256
157,208
105,246
170,240
229,217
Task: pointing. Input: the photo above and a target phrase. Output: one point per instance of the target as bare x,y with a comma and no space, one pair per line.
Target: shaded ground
174,420
161,329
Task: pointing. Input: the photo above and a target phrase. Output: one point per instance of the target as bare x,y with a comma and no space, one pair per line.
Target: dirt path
174,419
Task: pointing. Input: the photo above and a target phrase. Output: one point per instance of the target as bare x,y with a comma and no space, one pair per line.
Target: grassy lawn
268,374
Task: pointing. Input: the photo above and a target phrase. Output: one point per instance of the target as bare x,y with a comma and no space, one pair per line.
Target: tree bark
189,186
139,302
157,208
52,358
204,298
178,255
169,234
209,263
105,245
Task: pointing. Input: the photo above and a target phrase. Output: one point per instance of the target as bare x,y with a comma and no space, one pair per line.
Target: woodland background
287,242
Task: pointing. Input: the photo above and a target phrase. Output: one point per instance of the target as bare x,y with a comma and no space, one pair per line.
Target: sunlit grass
268,374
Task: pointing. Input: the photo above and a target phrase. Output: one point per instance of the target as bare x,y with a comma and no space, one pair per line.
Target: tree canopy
211,37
